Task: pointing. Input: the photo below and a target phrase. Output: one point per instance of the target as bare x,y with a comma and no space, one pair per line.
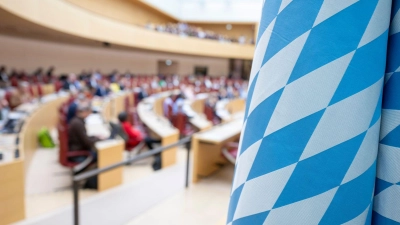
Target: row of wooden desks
18,154
44,113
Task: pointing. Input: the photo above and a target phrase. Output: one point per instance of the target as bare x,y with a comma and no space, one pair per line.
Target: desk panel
12,192
207,147
110,152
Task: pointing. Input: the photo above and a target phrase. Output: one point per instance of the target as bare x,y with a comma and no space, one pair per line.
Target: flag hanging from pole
312,130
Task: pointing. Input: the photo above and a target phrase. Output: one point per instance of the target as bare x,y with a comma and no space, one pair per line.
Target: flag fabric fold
321,137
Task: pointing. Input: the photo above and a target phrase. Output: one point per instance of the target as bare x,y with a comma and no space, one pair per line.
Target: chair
65,154
180,121
39,90
7,97
230,151
209,112
117,131
58,85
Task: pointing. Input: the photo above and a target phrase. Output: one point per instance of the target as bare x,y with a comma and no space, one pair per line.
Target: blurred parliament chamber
175,79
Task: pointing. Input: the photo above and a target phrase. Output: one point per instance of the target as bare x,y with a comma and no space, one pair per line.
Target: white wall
29,54
229,11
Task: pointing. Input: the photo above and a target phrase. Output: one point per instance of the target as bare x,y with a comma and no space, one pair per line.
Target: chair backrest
136,98
63,144
127,104
209,112
39,90
58,85
169,112
179,121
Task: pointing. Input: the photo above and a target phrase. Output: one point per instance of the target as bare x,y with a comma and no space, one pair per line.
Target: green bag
45,139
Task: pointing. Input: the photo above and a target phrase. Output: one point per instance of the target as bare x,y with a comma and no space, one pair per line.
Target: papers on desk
108,143
96,127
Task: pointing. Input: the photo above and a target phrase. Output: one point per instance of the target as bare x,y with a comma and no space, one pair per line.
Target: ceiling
211,11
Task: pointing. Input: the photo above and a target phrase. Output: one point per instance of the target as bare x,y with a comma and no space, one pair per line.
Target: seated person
135,137
143,92
167,104
71,112
177,105
78,140
72,83
103,89
20,95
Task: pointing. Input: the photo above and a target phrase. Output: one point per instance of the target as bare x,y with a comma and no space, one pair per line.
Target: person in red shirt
134,137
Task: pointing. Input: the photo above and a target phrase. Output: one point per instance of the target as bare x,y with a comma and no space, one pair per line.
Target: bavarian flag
321,137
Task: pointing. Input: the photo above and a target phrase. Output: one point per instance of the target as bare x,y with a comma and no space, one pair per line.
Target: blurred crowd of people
19,87
186,30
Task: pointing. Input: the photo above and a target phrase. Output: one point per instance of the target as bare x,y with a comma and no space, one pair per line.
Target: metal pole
76,202
188,146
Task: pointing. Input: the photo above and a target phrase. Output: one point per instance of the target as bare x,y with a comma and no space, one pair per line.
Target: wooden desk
227,109
109,152
48,89
159,125
198,119
207,147
12,173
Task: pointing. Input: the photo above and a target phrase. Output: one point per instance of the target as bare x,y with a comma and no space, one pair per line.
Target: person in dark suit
78,140
103,89
143,92
72,108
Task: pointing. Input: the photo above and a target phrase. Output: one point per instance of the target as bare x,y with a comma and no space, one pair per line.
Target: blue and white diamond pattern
311,132
386,208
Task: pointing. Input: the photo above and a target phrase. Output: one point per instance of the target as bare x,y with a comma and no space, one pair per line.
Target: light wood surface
12,174
106,110
48,89
198,104
207,146
236,105
229,110
169,156
110,152
46,115
118,102
12,192
99,28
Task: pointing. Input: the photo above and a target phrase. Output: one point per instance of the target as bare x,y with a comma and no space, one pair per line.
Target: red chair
58,85
32,91
136,98
180,121
8,96
40,90
65,154
230,151
209,112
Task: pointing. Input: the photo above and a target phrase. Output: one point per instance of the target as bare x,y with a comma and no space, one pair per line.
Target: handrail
77,178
